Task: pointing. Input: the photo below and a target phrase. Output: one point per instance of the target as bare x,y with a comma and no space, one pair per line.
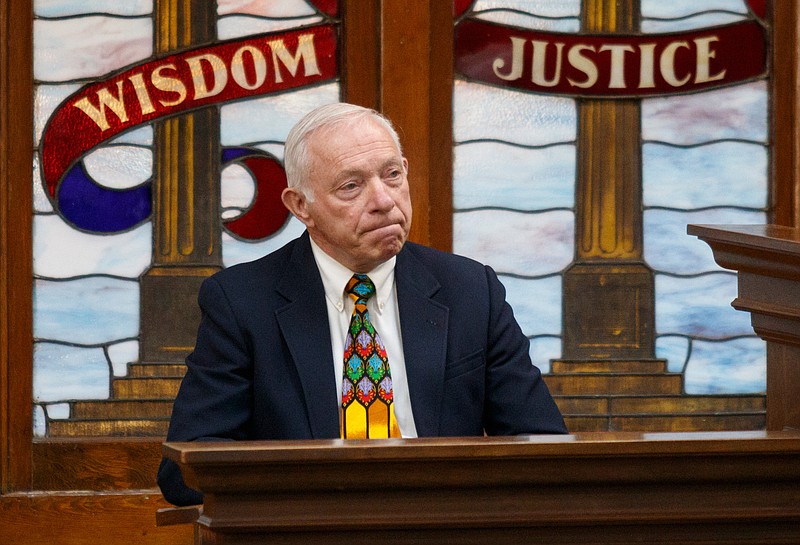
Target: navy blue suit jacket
261,368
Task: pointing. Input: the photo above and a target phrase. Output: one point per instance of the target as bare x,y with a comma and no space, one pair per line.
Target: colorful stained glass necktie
367,395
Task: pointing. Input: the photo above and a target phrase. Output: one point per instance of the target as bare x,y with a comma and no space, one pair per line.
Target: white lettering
584,64
104,99
704,55
667,64
259,66
305,52
517,49
537,67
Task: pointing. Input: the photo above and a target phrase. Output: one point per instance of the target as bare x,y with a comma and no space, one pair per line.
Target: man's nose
380,196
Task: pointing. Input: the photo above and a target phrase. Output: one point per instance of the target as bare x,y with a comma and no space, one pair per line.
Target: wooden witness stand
591,488
594,488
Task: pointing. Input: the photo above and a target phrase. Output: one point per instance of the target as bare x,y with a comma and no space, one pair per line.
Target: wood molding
16,261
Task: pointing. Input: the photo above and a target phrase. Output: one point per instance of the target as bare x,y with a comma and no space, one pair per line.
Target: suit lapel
423,323
304,325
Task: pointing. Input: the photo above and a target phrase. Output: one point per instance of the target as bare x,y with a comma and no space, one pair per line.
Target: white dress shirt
384,315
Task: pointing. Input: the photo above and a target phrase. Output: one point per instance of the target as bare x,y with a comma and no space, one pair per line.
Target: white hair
296,158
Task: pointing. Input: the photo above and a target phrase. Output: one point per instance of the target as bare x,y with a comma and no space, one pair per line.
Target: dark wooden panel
96,464
86,518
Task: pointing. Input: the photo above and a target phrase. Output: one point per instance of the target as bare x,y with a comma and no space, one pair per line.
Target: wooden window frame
380,36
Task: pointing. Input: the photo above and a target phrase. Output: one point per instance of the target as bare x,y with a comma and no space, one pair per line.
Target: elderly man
350,331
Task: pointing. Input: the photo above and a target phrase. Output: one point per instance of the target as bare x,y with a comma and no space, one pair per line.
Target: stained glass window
704,160
88,259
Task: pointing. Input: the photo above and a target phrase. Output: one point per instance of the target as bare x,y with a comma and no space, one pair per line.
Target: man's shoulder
436,259
267,268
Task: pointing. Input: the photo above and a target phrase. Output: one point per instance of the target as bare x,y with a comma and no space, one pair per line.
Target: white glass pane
734,366
738,112
62,372
270,118
62,8
493,174
61,251
700,307
542,243
238,251
266,8
234,26
86,311
669,249
545,8
70,49
718,174
511,116
673,9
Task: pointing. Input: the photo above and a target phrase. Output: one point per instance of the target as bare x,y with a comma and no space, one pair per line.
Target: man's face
361,212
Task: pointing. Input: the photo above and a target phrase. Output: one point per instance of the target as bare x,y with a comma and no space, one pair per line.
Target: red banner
181,82
606,65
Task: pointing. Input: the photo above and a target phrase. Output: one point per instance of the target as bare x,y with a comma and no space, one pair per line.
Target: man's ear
297,203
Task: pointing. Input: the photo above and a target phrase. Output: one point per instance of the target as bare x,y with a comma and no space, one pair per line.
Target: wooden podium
594,488
766,259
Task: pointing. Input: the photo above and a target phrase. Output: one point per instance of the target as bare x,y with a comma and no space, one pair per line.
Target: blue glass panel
59,251
669,249
121,354
257,121
514,177
700,307
651,26
91,207
63,8
86,311
62,372
543,350
39,422
675,9
717,174
542,243
674,349
511,116
236,251
542,8
736,113
536,303
734,366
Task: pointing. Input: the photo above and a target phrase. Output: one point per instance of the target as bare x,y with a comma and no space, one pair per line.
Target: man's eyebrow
350,172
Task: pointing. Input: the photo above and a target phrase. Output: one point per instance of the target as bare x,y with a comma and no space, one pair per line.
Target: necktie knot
360,288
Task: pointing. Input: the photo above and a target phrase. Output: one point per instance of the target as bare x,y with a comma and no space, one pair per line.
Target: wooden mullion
784,86
16,262
360,58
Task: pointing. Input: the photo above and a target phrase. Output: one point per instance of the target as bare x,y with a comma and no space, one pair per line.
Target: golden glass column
608,290
186,200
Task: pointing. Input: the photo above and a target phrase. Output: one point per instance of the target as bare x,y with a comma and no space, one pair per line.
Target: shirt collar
335,277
